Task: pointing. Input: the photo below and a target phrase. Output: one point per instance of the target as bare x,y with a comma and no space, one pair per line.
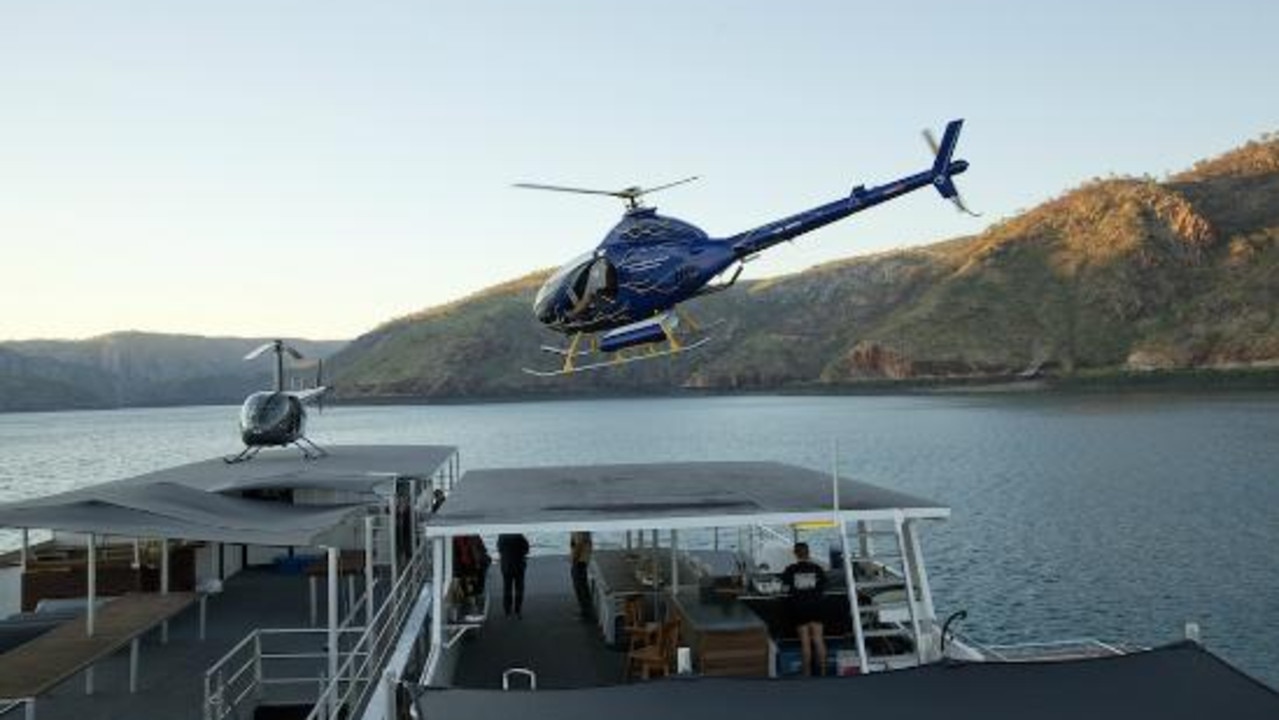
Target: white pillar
438,581
26,547
333,618
137,554
368,571
412,516
392,538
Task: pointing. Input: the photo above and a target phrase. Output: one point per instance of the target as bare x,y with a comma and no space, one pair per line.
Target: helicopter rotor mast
630,195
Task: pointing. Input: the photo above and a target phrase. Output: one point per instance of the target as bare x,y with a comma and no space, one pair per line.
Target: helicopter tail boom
939,176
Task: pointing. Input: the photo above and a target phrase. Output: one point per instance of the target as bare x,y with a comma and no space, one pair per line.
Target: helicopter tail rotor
631,195
944,167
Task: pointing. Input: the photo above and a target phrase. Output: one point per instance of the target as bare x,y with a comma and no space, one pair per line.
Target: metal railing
291,664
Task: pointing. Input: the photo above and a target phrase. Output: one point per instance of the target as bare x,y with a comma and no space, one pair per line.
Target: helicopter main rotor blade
255,352
932,142
646,191
292,351
561,188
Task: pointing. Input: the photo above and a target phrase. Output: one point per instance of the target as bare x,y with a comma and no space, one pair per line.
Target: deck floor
551,640
171,677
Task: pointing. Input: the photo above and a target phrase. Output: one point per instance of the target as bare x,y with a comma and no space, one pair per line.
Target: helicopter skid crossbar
651,333
620,359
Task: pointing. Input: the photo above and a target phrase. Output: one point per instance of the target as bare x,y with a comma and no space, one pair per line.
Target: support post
133,665
92,610
368,571
164,586
26,548
333,624
412,516
392,536
674,561
315,603
438,581
137,553
908,577
204,614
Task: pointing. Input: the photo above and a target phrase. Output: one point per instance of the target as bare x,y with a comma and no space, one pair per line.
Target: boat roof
660,496
1174,682
202,501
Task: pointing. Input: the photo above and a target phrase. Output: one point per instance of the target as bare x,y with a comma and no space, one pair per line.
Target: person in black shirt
806,582
514,552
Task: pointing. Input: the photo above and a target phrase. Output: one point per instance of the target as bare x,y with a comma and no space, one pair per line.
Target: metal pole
850,579
368,571
907,576
26,547
133,665
394,524
91,611
333,622
674,561
437,595
93,584
412,516
164,585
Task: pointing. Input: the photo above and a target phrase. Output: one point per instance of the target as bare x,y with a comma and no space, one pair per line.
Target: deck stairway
890,601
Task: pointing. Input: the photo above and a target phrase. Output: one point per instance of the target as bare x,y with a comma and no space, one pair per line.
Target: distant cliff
1120,275
134,369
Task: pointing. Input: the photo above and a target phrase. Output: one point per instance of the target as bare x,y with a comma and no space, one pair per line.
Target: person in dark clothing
806,582
471,564
580,547
514,558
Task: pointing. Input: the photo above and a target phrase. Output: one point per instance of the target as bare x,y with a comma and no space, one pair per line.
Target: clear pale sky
249,167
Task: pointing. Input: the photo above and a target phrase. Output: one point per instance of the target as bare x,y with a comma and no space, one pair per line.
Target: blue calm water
1115,516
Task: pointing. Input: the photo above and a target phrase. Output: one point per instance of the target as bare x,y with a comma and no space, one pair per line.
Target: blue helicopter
626,292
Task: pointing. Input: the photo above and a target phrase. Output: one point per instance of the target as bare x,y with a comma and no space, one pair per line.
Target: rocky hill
1126,274
134,369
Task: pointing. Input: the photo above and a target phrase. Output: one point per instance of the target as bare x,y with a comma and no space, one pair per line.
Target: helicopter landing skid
614,361
244,455
310,451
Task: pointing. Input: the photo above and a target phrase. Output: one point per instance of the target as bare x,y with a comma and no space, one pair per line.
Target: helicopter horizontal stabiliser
939,176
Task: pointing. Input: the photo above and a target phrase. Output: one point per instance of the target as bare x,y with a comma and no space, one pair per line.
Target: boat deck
564,650
171,677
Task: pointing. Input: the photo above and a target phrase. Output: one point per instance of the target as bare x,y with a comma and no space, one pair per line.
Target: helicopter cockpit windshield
574,286
267,411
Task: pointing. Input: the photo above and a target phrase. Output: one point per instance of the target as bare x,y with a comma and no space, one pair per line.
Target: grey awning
659,495
202,501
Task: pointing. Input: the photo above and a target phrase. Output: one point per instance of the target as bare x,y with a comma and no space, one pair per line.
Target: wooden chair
638,632
656,656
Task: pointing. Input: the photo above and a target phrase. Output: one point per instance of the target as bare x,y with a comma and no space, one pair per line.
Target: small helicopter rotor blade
257,351
932,142
959,204
561,188
293,352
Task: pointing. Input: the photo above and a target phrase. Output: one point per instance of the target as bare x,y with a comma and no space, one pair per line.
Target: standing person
806,582
580,553
514,551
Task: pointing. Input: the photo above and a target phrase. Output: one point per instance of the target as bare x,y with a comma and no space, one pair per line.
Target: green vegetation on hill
1117,276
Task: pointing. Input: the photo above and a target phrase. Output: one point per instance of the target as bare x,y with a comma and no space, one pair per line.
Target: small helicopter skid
310,451
649,339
